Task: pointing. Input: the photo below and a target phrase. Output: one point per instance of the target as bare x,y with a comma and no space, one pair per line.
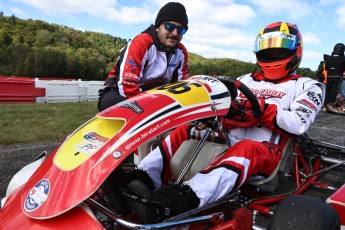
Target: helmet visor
275,40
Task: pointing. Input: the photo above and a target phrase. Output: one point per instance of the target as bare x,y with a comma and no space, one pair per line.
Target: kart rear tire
301,212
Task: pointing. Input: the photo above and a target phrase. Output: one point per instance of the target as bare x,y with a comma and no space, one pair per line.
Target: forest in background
34,48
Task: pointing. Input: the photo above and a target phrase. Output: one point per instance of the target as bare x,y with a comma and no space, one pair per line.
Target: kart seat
281,172
209,153
212,151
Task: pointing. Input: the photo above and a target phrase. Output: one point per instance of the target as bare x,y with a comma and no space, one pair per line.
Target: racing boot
119,179
168,201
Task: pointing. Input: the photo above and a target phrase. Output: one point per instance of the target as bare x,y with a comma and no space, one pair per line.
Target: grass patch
25,123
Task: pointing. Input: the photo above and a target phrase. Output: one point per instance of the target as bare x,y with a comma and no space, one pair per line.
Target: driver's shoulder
307,81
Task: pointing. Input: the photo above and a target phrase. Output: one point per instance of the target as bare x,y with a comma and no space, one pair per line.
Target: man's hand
241,113
240,110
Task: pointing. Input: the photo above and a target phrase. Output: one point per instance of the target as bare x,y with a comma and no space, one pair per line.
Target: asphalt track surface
327,127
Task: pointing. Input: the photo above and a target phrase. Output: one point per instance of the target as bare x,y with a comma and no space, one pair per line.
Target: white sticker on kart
203,78
37,195
87,147
92,143
95,138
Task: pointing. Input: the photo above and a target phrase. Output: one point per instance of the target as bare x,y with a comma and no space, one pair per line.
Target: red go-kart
65,189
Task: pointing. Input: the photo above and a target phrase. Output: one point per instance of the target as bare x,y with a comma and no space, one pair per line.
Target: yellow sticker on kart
183,93
82,144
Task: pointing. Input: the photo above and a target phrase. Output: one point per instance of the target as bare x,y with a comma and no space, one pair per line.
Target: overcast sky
217,28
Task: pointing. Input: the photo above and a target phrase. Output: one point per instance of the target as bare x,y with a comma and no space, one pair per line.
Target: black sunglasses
181,30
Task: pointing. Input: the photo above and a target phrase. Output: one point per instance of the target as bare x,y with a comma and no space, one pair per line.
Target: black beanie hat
172,11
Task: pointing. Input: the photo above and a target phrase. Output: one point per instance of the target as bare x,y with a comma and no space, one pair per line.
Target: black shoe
118,180
138,188
169,201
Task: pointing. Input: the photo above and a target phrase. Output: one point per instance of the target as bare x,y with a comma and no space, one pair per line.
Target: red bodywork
53,196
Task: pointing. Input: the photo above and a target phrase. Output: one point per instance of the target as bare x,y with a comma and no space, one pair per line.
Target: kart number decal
183,93
37,195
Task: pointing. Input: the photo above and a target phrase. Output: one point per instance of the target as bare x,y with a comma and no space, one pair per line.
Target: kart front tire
301,212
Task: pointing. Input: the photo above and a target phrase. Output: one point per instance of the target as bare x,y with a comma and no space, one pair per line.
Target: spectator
154,57
342,90
335,66
321,75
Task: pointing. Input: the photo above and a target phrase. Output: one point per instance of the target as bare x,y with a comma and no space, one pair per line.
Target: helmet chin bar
278,70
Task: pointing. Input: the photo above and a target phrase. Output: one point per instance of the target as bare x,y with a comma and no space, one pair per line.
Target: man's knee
108,99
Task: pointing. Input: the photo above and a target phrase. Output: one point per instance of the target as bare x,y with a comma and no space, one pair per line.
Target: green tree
42,38
35,48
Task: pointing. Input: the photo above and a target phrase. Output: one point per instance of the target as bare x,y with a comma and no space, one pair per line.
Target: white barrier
68,91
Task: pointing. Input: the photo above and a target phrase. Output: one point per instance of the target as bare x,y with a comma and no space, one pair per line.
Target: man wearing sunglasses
153,58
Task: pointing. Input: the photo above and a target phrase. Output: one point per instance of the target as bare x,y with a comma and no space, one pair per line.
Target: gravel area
16,156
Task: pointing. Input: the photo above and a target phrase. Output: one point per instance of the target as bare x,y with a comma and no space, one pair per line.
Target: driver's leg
235,167
157,163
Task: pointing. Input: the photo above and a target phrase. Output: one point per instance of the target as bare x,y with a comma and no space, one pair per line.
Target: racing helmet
285,37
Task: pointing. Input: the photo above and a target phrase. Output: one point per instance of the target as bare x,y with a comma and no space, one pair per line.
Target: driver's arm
131,69
296,120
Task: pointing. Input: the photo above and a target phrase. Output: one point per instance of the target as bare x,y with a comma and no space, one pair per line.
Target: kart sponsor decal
94,137
37,195
301,117
304,110
265,93
182,92
146,133
206,81
131,105
87,147
307,104
92,143
316,98
132,65
209,83
131,76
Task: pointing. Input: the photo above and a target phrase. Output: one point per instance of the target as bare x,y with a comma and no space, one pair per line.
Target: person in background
335,66
153,58
289,104
321,75
342,90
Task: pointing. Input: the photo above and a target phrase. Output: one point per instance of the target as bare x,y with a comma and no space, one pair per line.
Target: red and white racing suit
143,65
291,107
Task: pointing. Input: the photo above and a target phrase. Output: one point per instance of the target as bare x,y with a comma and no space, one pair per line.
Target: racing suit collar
258,76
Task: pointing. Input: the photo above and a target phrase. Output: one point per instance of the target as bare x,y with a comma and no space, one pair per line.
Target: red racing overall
291,107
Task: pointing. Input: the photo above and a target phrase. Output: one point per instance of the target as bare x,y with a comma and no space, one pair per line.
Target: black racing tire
301,212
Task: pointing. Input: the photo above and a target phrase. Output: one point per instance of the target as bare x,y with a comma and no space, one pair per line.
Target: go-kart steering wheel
233,86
